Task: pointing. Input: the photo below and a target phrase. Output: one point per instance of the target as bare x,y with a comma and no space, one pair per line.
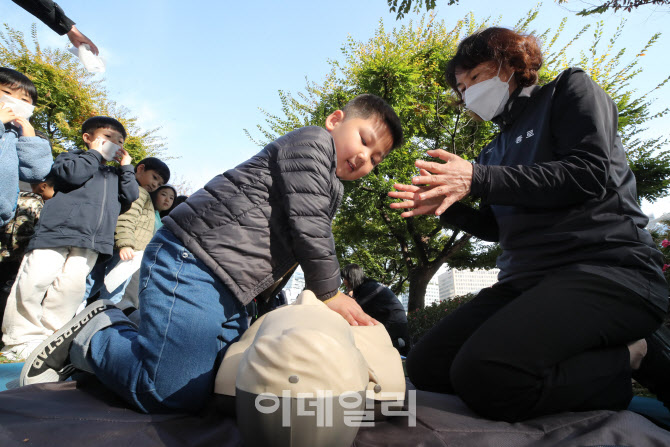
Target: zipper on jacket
102,206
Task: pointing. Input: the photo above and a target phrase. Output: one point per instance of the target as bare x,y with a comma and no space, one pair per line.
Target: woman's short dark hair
354,275
14,79
521,51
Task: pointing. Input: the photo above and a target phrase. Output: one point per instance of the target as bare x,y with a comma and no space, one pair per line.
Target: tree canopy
616,5
69,95
402,7
405,66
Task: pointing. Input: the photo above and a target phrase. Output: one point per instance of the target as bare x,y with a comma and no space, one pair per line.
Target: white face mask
20,108
488,98
108,149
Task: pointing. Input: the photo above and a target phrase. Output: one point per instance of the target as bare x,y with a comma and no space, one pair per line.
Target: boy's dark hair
154,164
354,275
14,79
102,122
366,105
50,180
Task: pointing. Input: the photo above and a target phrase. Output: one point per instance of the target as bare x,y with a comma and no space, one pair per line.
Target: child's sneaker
50,361
654,372
18,353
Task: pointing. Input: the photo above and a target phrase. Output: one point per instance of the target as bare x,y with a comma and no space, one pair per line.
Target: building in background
432,294
445,285
295,285
460,282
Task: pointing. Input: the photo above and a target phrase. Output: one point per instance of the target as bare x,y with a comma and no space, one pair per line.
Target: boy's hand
26,127
6,114
350,310
123,157
126,254
95,145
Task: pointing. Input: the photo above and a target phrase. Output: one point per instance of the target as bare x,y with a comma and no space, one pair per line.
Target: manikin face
360,144
486,70
164,199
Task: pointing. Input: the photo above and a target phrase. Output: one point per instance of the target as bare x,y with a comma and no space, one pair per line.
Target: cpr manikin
300,376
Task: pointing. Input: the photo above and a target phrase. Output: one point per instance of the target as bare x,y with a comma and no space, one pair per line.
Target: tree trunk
419,278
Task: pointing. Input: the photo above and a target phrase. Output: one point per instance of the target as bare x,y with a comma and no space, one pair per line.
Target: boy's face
148,178
43,189
16,93
104,133
360,144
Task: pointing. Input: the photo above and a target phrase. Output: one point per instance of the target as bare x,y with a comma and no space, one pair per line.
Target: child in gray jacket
233,240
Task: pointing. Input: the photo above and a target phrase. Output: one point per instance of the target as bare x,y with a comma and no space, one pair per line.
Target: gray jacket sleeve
76,168
584,125
305,186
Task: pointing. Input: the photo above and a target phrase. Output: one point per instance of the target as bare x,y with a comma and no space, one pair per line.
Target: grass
4,359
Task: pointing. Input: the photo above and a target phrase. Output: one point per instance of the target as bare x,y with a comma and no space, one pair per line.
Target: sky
201,70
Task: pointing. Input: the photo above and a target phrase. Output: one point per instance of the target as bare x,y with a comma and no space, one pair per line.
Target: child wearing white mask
23,156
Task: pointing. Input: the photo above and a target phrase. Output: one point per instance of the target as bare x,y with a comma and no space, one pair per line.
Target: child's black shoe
50,361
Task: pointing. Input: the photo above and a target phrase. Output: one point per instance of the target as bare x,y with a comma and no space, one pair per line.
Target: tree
626,5
405,5
68,95
405,66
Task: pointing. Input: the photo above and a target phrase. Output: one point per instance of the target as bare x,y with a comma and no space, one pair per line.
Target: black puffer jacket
251,224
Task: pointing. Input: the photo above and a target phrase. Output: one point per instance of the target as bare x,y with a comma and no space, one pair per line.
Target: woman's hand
77,38
443,185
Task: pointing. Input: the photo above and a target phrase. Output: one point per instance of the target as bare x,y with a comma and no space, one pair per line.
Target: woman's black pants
560,345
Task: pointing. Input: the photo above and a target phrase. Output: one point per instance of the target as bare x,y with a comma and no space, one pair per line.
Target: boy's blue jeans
188,319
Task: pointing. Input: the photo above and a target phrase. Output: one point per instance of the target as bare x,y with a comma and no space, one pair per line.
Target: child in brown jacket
134,230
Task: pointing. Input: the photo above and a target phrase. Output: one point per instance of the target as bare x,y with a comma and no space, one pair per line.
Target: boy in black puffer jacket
233,240
75,226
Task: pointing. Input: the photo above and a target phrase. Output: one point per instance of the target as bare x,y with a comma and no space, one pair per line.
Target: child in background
14,236
75,226
134,230
23,156
163,199
232,240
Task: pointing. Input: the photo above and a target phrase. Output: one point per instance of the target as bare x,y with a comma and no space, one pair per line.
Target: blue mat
9,375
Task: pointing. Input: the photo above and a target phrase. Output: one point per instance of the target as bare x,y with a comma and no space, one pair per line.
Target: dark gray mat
86,414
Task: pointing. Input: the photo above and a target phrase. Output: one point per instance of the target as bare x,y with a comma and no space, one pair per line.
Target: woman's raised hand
442,185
